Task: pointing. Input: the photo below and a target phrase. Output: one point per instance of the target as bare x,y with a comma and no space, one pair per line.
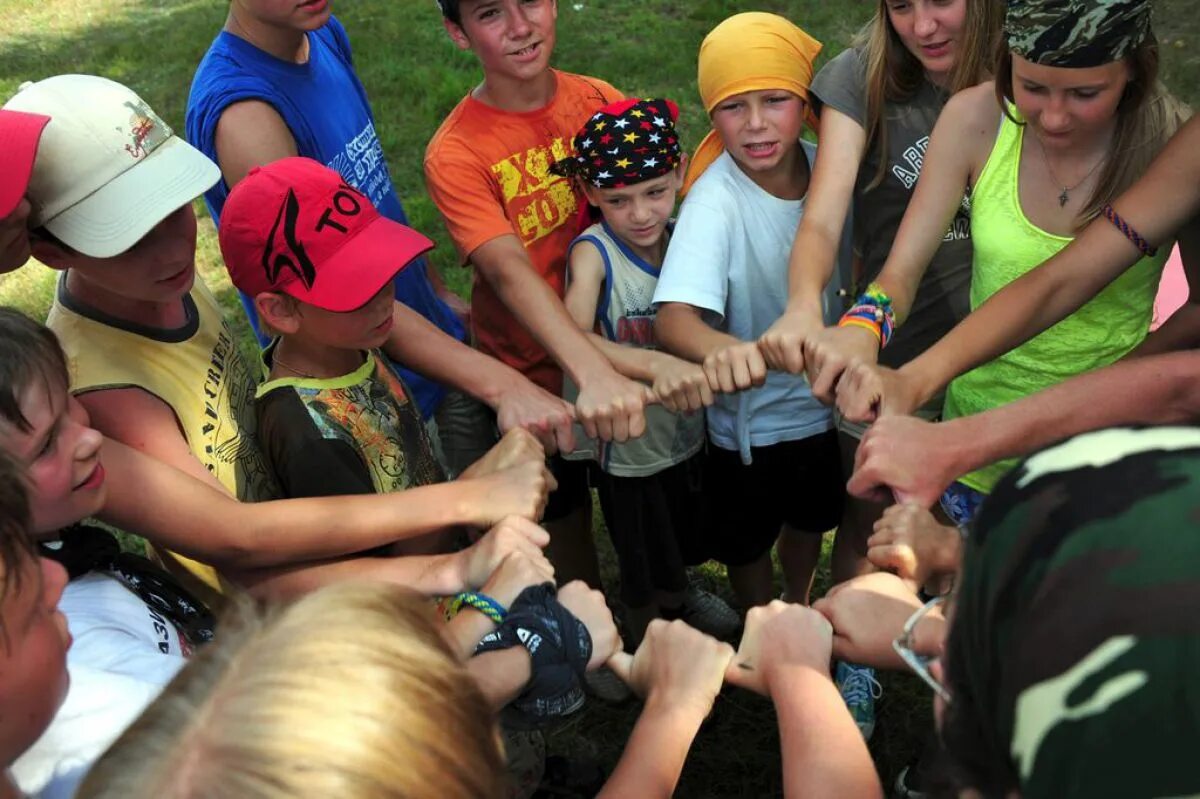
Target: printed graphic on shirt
538,201
377,419
361,163
908,172
636,325
228,444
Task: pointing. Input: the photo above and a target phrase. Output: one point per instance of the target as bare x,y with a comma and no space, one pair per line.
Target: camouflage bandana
1076,33
626,142
1076,638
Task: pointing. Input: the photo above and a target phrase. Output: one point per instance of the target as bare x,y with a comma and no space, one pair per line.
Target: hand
911,543
525,404
681,386
736,367
513,534
908,458
867,614
516,572
782,345
612,408
779,636
516,447
867,392
588,605
827,355
14,238
676,665
460,307
518,491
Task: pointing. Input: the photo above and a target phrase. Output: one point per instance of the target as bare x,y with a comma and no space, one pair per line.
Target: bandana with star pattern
624,143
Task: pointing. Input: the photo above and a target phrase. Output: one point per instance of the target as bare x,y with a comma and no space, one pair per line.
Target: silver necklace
1065,196
277,362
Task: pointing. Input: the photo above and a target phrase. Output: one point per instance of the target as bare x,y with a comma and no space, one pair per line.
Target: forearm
430,575
535,304
655,753
174,510
1163,389
810,267
681,331
422,347
823,751
501,675
635,363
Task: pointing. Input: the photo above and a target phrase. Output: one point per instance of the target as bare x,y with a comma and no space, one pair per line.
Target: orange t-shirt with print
488,172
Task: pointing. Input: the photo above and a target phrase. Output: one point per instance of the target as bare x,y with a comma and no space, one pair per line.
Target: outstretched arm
915,460
1166,200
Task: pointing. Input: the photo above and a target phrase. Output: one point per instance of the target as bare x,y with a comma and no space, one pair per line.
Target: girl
1081,116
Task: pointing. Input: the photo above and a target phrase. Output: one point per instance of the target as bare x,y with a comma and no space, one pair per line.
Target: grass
415,76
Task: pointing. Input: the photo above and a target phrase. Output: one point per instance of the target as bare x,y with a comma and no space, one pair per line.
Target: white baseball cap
108,169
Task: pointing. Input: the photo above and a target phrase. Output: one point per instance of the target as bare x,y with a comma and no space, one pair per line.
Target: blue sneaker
860,689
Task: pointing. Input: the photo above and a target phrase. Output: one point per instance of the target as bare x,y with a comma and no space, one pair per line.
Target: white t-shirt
122,655
729,257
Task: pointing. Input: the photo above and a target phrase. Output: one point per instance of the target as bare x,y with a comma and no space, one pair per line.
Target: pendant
1063,198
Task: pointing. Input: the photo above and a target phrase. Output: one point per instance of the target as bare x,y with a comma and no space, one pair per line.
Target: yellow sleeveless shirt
198,371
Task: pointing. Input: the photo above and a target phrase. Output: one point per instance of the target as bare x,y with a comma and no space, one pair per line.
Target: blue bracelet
482,603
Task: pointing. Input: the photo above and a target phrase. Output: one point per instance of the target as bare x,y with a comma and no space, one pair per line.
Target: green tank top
1007,245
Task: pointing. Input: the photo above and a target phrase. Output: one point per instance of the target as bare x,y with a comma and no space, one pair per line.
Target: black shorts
797,483
656,525
572,493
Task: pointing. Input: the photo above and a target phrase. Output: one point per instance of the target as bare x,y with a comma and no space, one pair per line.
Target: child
775,454
333,417
628,160
487,170
281,82
131,623
34,643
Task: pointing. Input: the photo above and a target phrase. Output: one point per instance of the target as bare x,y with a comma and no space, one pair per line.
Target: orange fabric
750,52
488,172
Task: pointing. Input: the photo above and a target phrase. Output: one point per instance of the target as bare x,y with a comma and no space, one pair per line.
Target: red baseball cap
19,136
296,227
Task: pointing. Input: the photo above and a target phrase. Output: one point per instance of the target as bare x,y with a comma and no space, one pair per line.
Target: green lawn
414,76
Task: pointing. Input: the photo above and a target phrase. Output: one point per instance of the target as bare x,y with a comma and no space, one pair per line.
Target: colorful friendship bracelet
1128,231
481,602
872,311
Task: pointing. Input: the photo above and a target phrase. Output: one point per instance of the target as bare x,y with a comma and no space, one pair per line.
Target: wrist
497,383
683,708
923,377
806,308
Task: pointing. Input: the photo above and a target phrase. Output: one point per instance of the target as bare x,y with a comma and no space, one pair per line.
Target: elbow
666,324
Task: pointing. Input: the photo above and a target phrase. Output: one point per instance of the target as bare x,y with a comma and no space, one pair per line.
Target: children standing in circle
1081,116
629,162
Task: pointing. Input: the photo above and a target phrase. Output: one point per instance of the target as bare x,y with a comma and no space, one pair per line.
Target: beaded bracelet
481,602
1129,232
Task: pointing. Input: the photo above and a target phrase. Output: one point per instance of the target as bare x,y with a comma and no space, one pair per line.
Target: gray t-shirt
942,298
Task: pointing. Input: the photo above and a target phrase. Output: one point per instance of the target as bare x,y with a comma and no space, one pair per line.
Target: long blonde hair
349,692
894,75
1147,116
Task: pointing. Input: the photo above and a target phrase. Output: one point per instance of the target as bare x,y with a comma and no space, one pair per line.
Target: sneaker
906,786
860,689
709,614
605,685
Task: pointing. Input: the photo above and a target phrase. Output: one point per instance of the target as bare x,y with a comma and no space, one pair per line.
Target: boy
333,418
628,160
775,453
19,136
281,82
487,170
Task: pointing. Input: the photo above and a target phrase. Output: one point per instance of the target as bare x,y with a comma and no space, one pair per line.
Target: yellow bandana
745,53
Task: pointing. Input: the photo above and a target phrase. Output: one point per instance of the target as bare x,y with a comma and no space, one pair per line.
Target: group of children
660,362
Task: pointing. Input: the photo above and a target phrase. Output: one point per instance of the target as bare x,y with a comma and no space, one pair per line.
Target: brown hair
348,692
28,351
16,544
894,75
1147,116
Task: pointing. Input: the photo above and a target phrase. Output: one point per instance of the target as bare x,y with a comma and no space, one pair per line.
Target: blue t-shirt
325,106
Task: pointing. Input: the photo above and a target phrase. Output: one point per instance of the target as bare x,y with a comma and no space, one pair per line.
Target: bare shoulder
973,111
586,259
251,133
